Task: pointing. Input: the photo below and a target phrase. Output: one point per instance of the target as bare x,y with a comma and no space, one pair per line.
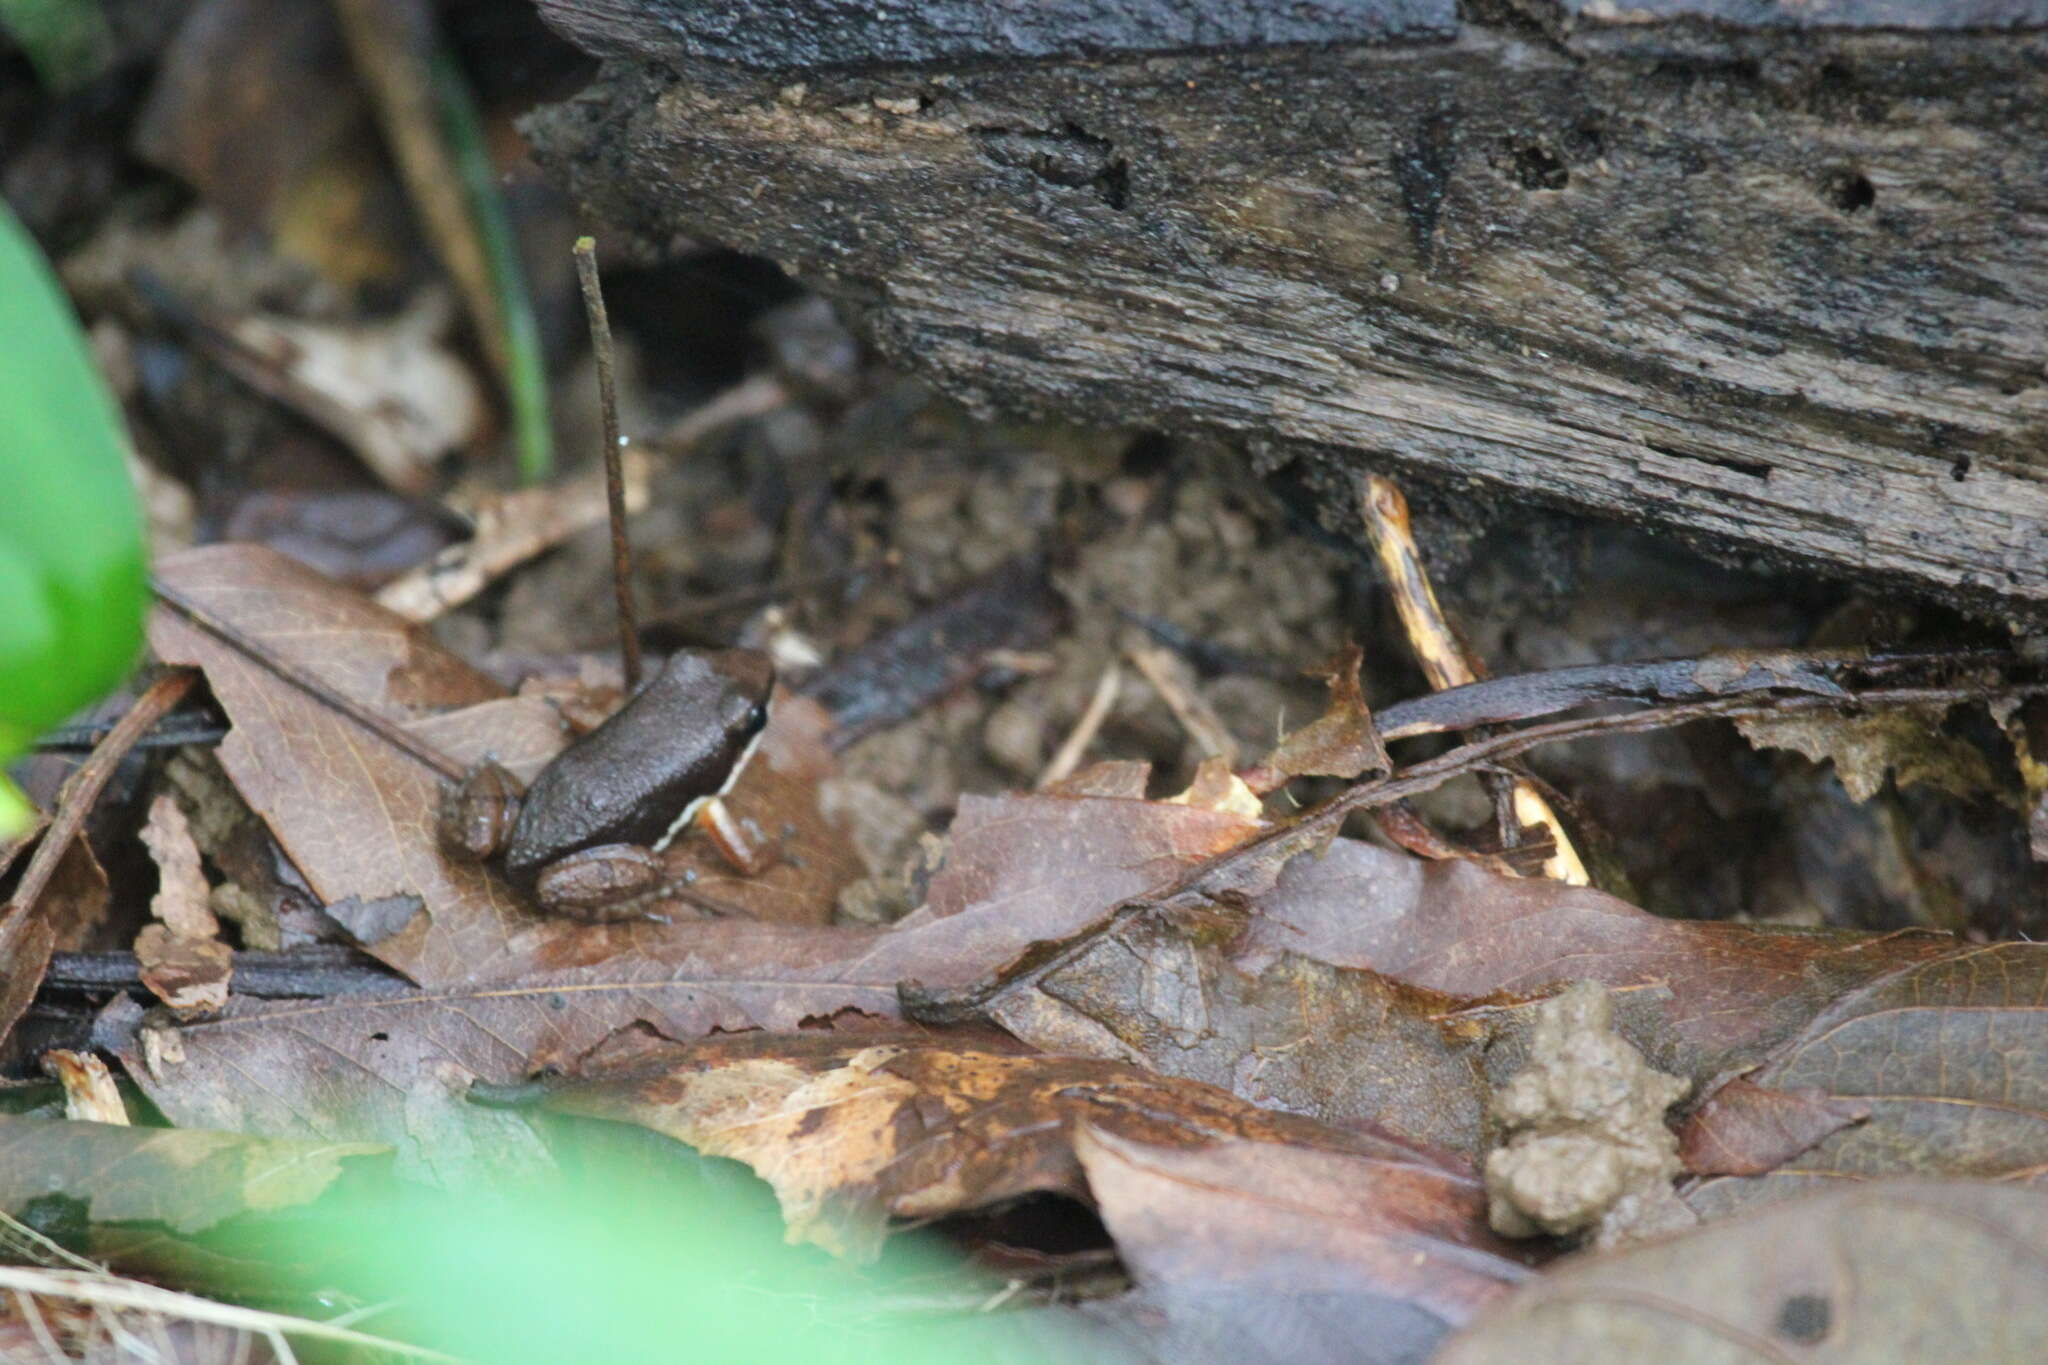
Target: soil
1154,541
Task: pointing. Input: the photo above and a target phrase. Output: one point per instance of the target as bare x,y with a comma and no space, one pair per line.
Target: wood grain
1780,287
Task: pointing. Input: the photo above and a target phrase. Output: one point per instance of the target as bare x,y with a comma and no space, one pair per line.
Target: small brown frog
584,837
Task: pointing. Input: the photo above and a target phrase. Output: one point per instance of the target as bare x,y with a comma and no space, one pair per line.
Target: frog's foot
739,841
475,815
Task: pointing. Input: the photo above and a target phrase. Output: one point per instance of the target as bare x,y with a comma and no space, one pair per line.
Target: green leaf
524,366
72,575
66,40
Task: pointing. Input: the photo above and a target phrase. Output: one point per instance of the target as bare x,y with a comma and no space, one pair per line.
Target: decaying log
1772,273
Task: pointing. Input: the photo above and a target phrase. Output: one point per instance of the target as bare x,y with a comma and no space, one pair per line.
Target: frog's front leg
738,841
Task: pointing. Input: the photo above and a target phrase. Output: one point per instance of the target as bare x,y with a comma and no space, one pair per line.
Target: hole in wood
1750,468
1849,191
1537,168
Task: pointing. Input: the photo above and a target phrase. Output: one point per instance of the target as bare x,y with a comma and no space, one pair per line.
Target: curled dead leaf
1343,741
854,1132
1868,747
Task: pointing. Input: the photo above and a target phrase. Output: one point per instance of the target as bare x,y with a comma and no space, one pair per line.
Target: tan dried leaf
1902,740
1343,741
190,975
854,1132
90,1095
182,894
1217,788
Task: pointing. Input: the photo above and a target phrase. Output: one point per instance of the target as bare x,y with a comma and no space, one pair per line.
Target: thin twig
1531,696
24,1242
41,1329
1319,824
84,786
756,396
386,729
614,478
313,972
1447,662
1085,729
1168,674
175,732
110,1292
1434,772
425,114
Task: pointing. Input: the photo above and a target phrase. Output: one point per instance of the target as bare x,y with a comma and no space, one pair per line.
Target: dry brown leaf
71,907
1948,1057
1020,869
1065,859
1898,1271
1866,748
190,975
510,528
352,812
182,893
1749,1129
1168,990
181,957
394,1066
90,1094
853,1132
1243,1226
389,391
1721,994
1273,1005
1343,741
1217,788
1251,1252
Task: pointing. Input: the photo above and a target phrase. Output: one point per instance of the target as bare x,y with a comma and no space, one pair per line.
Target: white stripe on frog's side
689,812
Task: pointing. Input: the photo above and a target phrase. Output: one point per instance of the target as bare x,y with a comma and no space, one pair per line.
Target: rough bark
1772,274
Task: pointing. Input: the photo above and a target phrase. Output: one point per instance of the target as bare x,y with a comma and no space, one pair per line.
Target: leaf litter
1213,1203
1360,1010
1267,1058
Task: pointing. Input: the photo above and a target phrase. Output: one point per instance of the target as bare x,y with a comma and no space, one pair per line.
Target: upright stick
614,478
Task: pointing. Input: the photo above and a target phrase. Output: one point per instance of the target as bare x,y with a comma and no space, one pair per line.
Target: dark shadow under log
1780,287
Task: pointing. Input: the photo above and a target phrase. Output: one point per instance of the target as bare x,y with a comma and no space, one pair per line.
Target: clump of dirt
1586,1147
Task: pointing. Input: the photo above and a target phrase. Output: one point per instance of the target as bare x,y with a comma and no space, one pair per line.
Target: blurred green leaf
72,576
647,1252
525,368
66,40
